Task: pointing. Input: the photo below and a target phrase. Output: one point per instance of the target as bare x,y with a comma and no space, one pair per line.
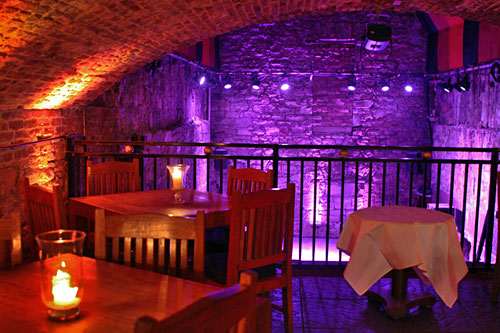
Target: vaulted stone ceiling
64,53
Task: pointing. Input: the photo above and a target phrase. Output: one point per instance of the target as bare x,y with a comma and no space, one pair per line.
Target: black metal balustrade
331,182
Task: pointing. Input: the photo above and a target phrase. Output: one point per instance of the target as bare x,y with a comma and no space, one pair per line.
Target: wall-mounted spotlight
495,73
448,87
285,85
226,83
463,84
408,88
384,85
351,84
255,83
201,78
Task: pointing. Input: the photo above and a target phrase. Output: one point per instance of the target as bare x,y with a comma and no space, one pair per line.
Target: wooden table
155,202
381,239
115,296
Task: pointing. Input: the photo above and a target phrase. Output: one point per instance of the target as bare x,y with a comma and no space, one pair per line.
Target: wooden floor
329,304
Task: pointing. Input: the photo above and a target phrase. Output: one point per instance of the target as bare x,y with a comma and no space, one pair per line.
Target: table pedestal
397,301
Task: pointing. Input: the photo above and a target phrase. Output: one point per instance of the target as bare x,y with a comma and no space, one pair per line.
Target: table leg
397,301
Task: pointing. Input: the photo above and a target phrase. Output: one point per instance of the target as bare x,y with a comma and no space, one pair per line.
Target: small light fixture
384,85
351,84
285,85
463,84
226,83
408,88
448,87
255,83
495,73
201,78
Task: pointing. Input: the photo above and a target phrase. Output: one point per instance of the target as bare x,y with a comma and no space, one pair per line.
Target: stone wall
317,53
467,119
162,102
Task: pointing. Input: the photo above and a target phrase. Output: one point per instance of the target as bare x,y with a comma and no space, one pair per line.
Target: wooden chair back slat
44,209
138,251
127,250
265,224
113,177
10,240
248,180
150,233
227,310
149,251
161,252
261,234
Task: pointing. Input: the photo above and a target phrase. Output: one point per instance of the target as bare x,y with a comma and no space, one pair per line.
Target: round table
384,238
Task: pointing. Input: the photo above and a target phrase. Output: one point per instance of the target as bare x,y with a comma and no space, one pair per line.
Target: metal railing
331,182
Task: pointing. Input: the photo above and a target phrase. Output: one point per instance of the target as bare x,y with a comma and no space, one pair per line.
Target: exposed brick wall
43,163
65,53
467,119
319,109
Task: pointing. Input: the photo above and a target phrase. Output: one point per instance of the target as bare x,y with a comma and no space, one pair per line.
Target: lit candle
177,178
64,294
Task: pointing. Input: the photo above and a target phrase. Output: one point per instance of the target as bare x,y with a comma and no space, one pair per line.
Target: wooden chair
44,209
248,180
261,234
113,177
10,232
495,286
146,230
219,311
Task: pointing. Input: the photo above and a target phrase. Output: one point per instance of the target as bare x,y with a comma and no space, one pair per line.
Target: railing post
70,149
276,157
491,206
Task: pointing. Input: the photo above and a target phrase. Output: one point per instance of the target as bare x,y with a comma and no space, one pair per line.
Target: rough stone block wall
162,102
467,119
319,109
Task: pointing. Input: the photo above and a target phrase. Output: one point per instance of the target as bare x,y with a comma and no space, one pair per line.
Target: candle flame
177,173
63,293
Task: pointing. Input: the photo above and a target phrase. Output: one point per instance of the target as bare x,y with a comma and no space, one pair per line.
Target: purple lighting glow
285,86
408,88
202,79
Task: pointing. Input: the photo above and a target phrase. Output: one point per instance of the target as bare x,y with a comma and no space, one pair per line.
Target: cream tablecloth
379,239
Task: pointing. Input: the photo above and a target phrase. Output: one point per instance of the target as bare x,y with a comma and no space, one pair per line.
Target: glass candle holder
177,174
62,272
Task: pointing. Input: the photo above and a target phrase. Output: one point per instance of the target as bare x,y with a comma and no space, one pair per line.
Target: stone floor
329,304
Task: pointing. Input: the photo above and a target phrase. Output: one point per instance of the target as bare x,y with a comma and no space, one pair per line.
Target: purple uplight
408,88
227,86
285,86
202,79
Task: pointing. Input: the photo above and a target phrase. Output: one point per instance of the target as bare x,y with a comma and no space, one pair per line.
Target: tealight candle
177,173
177,178
62,275
64,294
